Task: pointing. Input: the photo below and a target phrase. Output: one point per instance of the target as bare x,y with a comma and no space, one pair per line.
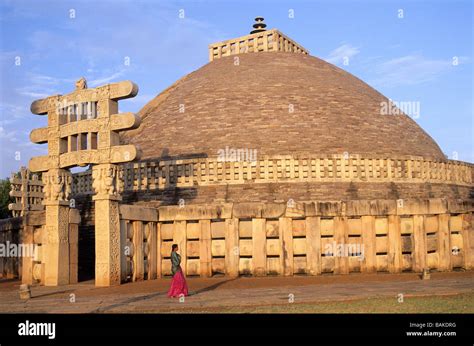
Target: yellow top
263,41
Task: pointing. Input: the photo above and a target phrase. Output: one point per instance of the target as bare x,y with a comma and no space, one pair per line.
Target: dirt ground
238,293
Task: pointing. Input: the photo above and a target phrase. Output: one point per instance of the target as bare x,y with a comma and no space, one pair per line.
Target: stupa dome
279,103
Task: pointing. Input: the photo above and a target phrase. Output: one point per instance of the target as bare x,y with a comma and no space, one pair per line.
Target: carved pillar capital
107,182
57,186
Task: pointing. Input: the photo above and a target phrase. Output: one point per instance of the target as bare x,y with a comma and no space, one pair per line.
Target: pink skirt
179,287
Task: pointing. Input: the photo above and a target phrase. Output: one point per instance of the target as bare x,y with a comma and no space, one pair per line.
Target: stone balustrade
138,237
10,266
306,238
143,176
27,234
266,41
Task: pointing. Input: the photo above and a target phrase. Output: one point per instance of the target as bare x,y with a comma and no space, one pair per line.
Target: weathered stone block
299,227
193,267
273,247
247,210
245,247
218,265
245,266
381,225
299,265
167,230
245,229
272,229
295,210
193,248
299,246
218,248
193,230
218,229
132,212
327,227
273,210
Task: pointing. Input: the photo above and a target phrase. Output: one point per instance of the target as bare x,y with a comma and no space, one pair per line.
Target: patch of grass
460,303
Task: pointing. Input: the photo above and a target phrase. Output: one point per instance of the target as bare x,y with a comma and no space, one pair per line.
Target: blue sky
46,45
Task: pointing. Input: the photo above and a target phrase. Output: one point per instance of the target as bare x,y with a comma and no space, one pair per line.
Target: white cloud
41,86
11,112
6,135
33,94
410,70
345,51
106,79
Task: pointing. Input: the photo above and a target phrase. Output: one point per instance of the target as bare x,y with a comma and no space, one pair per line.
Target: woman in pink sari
178,288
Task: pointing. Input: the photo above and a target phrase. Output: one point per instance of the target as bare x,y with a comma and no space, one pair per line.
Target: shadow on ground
158,294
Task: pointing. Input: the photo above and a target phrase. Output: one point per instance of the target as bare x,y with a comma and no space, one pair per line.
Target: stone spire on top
259,25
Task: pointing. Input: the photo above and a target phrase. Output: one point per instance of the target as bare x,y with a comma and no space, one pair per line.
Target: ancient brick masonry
333,113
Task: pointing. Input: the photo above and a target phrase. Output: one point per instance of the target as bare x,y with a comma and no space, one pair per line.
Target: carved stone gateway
83,128
27,192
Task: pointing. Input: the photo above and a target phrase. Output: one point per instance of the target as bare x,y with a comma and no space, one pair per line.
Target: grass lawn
460,303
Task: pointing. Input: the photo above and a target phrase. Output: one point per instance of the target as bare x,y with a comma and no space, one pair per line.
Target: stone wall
10,266
305,238
309,238
279,192
34,233
29,232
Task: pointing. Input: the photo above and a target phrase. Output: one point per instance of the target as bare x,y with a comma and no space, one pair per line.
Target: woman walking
178,288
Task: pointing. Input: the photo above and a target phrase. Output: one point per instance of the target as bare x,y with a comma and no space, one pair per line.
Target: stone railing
259,239
10,264
265,41
306,238
143,176
28,235
138,237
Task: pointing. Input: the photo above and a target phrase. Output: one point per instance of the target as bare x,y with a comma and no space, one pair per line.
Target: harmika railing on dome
259,40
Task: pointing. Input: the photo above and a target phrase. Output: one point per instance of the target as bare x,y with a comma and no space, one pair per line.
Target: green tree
5,198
